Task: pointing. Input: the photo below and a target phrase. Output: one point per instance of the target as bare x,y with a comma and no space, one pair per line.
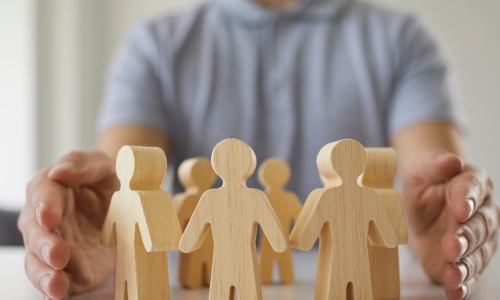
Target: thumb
434,167
424,186
83,168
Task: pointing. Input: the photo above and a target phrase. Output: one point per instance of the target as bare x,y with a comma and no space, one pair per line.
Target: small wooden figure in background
273,175
233,212
343,215
197,176
141,219
384,262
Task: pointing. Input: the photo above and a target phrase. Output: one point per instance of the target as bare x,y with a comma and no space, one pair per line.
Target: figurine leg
266,261
250,286
286,267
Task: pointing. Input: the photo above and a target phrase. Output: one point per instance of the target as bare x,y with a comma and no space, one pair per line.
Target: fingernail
38,213
463,271
66,166
464,244
444,156
44,283
465,291
472,207
45,252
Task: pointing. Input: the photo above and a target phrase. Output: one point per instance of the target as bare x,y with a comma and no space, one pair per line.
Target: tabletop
414,284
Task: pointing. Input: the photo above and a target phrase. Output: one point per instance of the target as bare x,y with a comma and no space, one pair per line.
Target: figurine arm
381,231
308,225
295,207
183,214
108,232
198,227
270,224
158,222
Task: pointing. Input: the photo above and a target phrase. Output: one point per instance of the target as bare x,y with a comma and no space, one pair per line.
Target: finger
466,193
463,239
438,166
478,260
463,292
455,274
80,168
53,284
48,246
45,202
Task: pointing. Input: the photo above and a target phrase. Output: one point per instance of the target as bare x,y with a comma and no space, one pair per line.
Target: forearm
413,141
116,137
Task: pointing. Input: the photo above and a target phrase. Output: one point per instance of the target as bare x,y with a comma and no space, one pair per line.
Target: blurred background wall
54,55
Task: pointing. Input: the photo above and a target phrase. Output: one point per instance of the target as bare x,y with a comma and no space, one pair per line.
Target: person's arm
116,137
451,211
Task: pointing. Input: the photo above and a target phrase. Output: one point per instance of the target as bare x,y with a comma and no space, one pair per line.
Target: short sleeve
135,89
424,89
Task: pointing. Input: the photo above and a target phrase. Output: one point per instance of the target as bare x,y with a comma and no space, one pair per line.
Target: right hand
61,225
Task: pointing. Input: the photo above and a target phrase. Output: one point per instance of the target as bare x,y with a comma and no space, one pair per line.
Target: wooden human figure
142,225
273,175
233,212
197,176
343,215
384,262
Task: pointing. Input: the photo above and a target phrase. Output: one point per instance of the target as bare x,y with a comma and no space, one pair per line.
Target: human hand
61,225
453,220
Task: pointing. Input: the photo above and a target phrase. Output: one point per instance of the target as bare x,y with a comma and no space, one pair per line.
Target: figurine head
233,160
197,173
345,159
274,172
141,168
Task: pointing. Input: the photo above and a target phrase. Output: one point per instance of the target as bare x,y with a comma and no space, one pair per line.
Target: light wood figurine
384,262
197,176
344,215
273,175
141,219
233,212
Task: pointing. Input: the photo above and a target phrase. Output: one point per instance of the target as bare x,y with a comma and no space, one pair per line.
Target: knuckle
107,163
28,262
29,186
35,182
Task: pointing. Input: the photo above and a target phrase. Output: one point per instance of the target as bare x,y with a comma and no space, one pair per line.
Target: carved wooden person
344,215
142,225
197,176
273,175
233,212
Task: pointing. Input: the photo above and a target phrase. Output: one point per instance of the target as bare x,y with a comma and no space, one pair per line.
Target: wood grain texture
344,215
384,262
197,176
142,224
233,212
274,174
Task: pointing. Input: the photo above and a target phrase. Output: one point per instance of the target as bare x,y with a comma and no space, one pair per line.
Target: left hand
453,220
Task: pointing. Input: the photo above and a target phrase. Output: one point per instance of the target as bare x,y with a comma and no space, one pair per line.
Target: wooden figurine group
358,217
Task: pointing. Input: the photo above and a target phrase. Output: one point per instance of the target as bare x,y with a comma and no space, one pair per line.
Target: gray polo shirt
286,82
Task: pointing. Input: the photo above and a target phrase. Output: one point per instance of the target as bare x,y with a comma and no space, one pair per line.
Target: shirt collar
252,12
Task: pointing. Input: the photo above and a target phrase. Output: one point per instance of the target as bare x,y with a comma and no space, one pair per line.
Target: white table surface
415,286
